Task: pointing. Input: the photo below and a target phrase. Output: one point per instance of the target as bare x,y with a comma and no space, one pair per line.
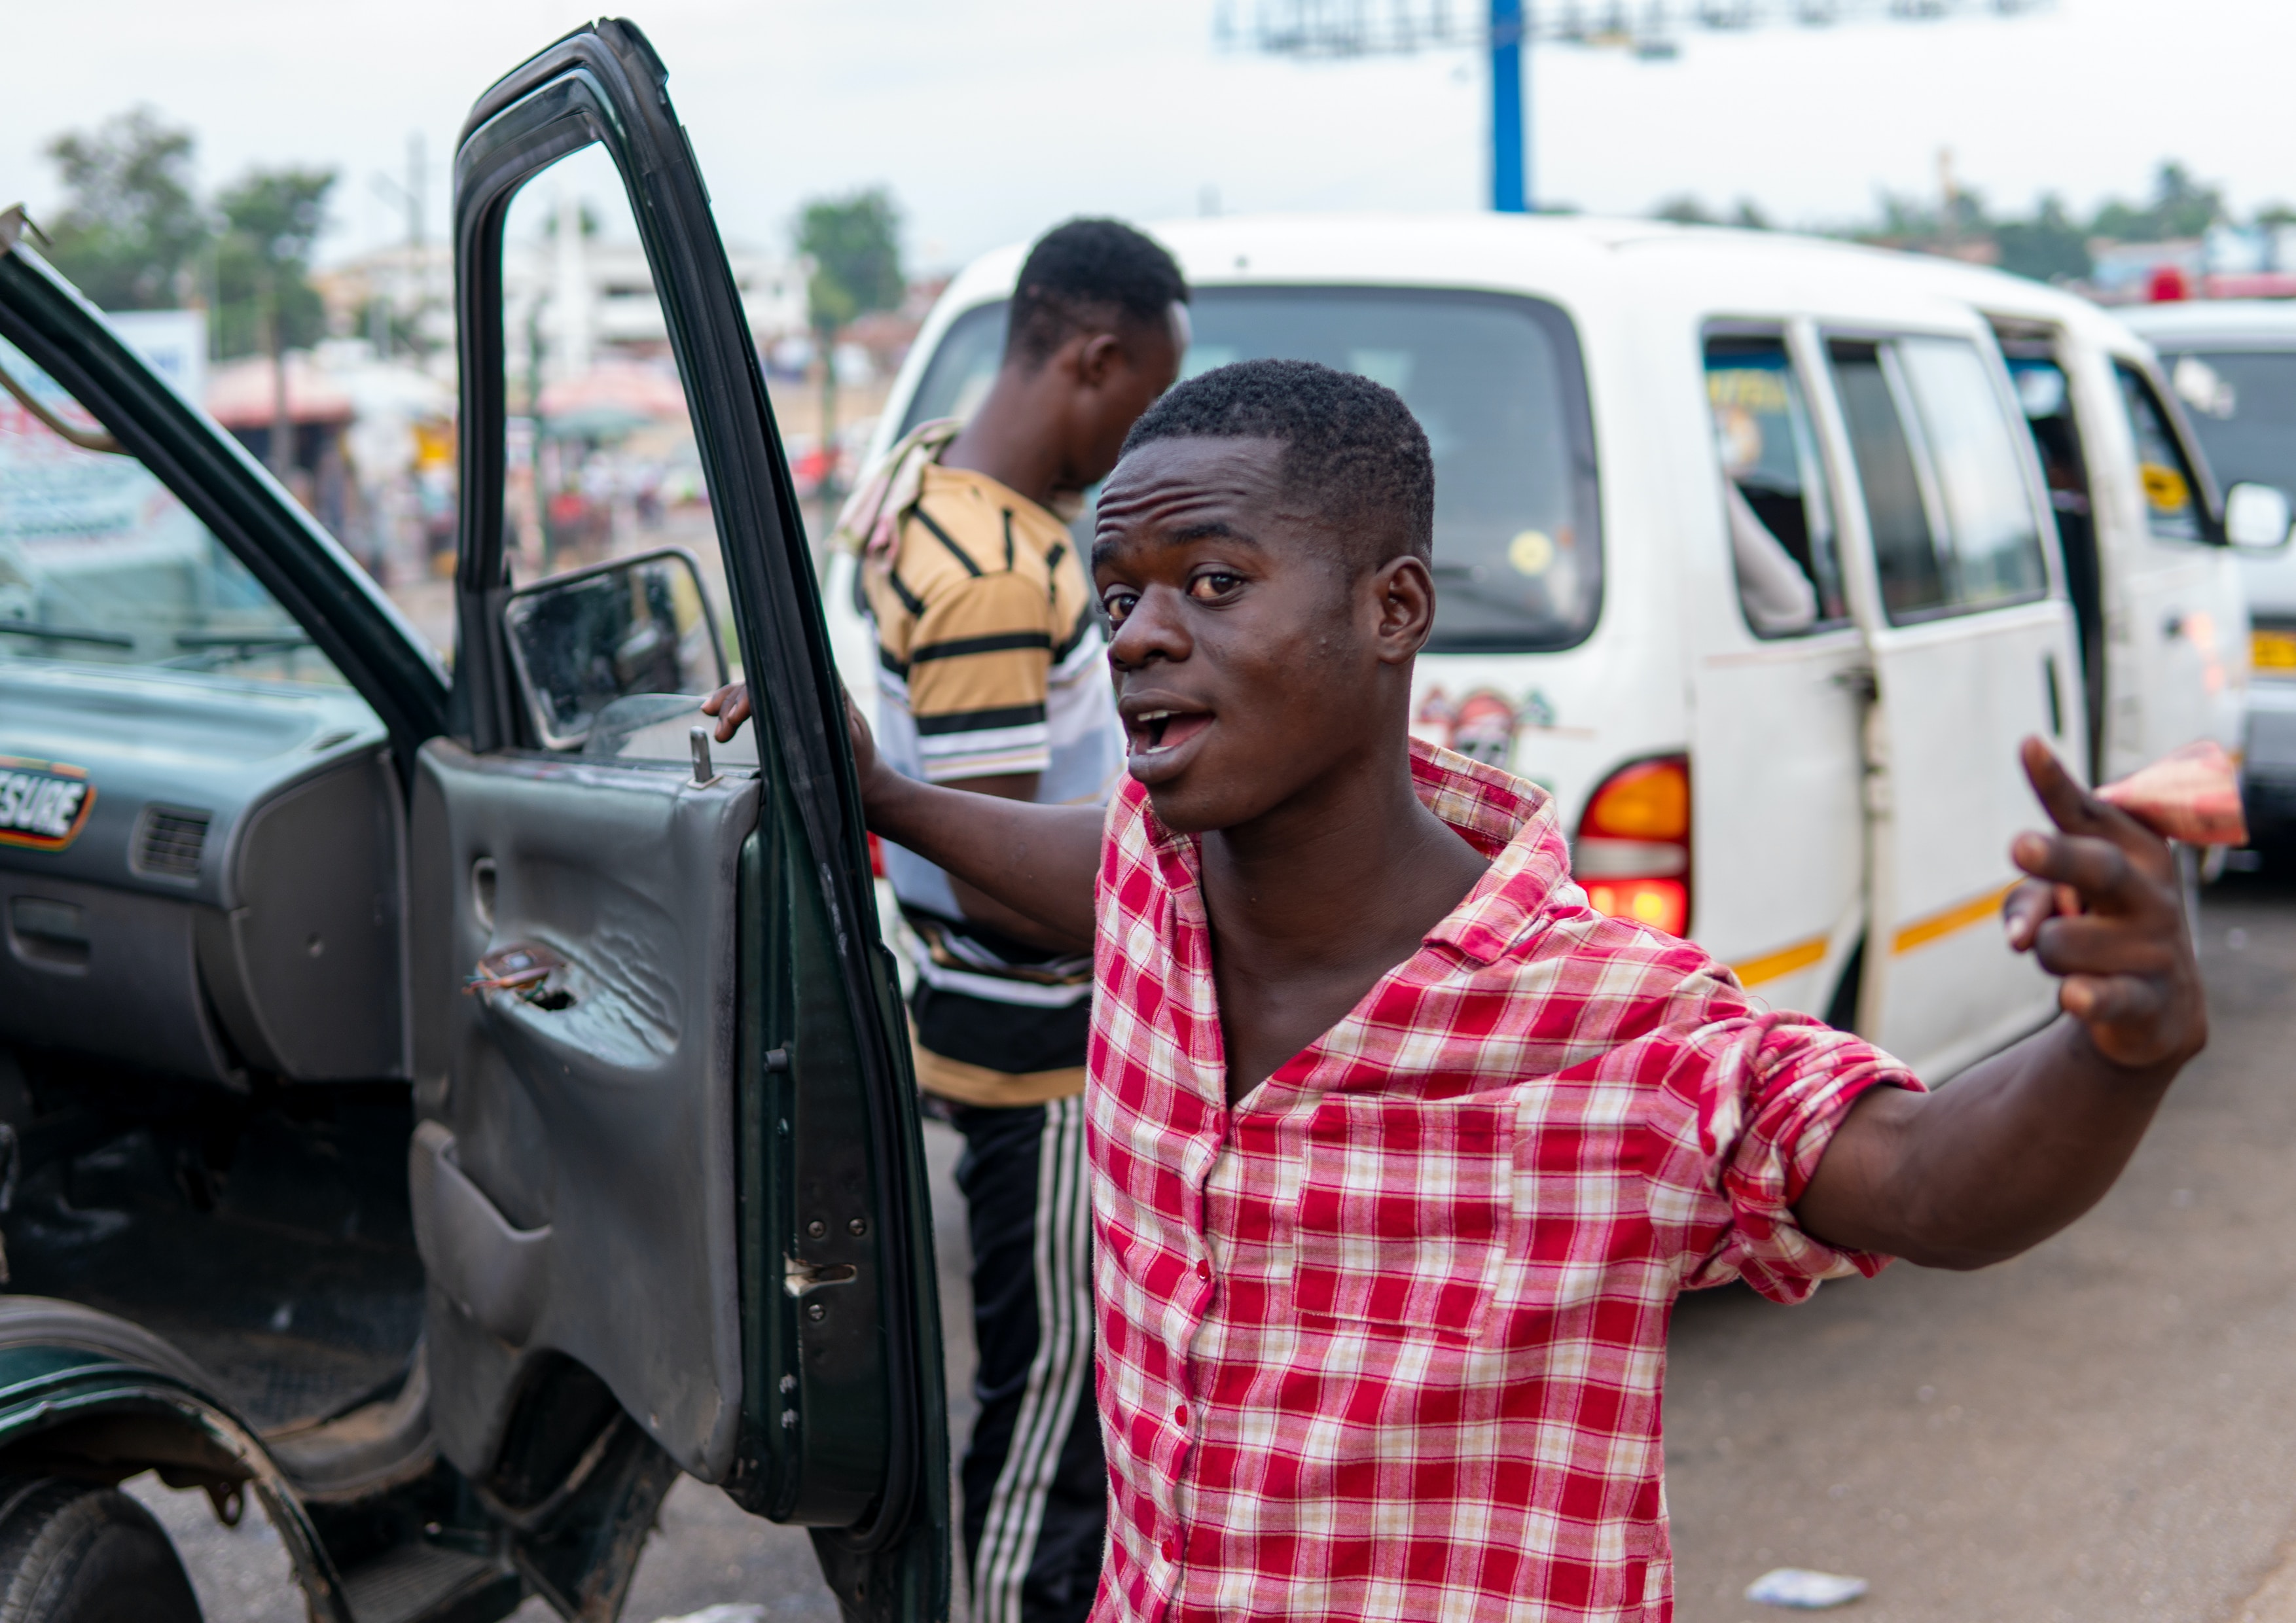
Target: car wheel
73,1553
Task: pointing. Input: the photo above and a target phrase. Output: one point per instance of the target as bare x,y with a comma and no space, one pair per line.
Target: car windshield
1496,381
101,563
2242,406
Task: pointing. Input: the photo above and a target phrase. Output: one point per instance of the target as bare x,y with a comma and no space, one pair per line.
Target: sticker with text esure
43,805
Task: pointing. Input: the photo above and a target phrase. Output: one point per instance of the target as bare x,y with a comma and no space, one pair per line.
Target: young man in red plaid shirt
1400,1152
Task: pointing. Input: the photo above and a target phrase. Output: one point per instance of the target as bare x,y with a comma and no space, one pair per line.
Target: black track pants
1035,1484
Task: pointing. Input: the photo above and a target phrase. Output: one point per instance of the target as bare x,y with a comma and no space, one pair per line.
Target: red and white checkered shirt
1387,1340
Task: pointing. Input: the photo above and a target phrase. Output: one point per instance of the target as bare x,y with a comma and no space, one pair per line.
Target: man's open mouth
1154,732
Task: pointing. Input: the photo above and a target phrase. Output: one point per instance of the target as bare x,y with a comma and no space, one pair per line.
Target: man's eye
1116,605
1213,584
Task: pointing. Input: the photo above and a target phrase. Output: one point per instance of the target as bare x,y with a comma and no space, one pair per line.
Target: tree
854,243
2181,206
263,263
265,300
2048,247
1685,209
132,232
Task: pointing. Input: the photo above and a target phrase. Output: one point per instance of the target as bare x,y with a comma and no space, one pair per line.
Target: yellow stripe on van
1785,961
1961,915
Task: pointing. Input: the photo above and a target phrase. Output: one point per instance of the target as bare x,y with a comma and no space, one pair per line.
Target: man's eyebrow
1210,530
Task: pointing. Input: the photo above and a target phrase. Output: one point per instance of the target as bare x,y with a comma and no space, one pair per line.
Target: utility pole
1510,131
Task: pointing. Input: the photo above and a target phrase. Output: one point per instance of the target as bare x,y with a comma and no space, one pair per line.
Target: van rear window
1495,380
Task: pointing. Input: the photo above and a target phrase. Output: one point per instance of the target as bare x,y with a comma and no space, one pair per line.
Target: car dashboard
199,877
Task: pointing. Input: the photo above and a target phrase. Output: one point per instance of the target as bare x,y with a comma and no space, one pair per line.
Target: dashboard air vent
170,843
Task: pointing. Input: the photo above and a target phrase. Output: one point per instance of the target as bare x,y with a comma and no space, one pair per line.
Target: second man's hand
1040,861
730,704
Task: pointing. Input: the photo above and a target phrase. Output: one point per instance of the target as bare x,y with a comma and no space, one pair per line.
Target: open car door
668,1182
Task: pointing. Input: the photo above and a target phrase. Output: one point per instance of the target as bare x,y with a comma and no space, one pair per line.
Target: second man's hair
1089,276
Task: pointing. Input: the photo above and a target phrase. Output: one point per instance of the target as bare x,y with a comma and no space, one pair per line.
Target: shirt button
1172,1549
1204,1267
1180,1417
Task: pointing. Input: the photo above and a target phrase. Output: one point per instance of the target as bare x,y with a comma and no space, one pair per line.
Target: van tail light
1632,855
876,858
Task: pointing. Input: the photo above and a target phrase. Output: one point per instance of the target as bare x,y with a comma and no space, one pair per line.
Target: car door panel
574,1176
748,1072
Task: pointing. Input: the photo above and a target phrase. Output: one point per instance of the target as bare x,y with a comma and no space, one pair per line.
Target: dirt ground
2101,1431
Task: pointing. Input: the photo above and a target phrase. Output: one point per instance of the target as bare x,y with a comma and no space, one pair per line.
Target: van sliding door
1973,648
1779,694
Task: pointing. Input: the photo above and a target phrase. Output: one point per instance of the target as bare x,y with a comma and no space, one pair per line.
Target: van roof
2216,320
1555,255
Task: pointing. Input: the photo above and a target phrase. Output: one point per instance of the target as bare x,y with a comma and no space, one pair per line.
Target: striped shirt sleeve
979,669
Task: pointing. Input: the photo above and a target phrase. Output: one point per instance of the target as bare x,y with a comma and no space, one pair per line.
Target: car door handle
1859,679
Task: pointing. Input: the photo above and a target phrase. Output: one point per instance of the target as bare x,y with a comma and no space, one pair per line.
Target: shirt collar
1508,819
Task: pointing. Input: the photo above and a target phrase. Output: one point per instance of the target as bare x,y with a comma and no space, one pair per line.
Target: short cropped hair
1089,276
1351,447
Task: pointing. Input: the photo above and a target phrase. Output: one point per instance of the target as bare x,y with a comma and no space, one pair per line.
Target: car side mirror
2256,517
583,639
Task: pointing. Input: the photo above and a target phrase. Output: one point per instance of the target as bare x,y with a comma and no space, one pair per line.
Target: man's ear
1403,592
1098,355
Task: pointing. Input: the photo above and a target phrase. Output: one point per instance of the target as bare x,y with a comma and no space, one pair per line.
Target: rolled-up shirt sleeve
1766,1094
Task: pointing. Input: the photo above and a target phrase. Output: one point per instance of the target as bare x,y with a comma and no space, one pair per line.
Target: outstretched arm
1039,861
2020,1145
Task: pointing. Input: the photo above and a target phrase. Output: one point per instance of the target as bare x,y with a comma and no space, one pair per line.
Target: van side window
1911,582
1783,539
2170,512
1954,522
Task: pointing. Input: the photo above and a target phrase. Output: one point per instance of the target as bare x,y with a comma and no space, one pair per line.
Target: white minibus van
1760,552
2232,364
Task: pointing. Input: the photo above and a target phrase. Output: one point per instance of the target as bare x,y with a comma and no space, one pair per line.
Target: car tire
74,1552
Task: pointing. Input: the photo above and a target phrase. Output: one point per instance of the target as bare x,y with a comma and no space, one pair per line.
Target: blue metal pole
1509,147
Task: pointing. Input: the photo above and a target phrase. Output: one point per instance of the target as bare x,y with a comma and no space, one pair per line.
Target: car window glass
1782,518
600,458
1495,380
2169,510
1993,554
2044,394
1905,553
2242,410
101,563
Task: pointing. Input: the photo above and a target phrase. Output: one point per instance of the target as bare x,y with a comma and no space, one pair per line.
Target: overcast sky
991,120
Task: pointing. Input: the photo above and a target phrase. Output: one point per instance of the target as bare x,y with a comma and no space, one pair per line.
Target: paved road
2103,1429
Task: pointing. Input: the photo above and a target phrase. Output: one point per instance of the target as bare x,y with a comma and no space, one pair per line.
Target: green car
443,1108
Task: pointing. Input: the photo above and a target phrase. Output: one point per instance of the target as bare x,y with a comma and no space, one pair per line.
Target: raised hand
2104,911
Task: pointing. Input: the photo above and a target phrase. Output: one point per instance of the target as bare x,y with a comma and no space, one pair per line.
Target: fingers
2025,909
2096,944
2127,1015
731,705
2098,869
2076,811
2102,911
